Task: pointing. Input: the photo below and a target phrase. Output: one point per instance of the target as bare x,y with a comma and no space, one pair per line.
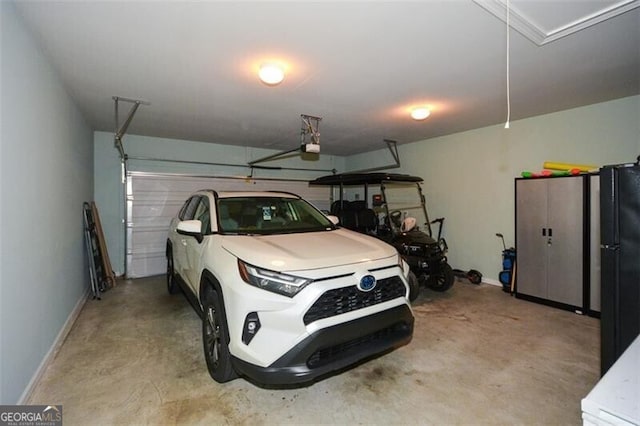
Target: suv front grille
327,355
346,299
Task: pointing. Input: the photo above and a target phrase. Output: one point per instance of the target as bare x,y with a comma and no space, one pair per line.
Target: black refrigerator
620,261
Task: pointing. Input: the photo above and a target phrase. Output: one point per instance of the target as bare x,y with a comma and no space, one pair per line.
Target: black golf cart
398,215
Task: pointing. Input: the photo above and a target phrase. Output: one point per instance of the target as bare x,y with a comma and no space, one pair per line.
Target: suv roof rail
285,192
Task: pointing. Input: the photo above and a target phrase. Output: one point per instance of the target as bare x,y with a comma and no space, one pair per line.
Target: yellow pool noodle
567,166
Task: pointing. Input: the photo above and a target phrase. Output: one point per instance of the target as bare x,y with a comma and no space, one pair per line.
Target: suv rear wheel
172,285
215,338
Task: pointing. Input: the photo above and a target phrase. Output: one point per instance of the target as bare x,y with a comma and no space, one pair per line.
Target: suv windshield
269,215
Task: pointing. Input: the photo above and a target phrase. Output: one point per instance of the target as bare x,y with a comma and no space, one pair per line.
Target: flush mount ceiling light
271,73
420,113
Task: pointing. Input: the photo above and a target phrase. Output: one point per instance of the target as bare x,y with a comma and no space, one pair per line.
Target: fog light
251,327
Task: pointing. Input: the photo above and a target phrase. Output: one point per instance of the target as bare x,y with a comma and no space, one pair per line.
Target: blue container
508,260
507,263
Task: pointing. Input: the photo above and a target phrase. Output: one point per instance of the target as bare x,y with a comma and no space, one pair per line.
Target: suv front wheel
215,338
172,285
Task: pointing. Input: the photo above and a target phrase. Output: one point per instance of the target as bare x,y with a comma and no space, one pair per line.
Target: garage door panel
153,199
146,265
145,239
154,213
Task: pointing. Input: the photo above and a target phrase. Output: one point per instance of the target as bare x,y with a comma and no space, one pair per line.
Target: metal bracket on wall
392,146
117,137
121,130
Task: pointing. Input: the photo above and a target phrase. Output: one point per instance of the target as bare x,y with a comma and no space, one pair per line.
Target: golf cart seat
366,219
348,217
355,215
338,206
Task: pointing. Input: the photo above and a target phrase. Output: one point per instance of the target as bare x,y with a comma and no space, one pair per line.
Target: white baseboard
55,347
492,282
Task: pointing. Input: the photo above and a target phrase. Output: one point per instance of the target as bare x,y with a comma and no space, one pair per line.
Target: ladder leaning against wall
100,272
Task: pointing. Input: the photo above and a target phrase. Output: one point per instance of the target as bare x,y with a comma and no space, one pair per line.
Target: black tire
414,286
172,285
215,338
474,277
443,280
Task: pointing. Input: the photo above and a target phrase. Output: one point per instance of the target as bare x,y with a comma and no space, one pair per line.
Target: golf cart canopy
363,178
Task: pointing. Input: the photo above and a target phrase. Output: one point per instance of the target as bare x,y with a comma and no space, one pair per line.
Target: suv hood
312,250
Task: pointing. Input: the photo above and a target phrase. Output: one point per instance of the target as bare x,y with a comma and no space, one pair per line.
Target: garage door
153,199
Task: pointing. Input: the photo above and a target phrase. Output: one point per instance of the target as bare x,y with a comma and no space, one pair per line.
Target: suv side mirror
333,219
191,228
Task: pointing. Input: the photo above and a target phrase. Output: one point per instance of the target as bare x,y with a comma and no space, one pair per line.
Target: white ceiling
358,65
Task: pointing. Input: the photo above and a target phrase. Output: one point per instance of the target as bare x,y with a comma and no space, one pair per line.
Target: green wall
469,177
46,173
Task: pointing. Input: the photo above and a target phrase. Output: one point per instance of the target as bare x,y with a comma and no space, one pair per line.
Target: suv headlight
284,284
403,265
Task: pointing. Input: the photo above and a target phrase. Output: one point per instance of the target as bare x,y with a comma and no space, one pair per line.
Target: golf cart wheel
443,280
414,286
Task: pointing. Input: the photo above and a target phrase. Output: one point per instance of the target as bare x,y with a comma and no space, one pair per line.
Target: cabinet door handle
544,232
550,232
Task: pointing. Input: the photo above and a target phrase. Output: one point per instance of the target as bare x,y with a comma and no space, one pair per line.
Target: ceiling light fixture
420,113
271,73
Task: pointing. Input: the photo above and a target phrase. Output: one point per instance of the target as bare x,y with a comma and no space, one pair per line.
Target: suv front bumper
334,348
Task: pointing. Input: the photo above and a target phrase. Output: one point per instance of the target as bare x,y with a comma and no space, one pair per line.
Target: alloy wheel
213,336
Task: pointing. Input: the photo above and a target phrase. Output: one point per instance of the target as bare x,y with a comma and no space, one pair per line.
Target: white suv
285,296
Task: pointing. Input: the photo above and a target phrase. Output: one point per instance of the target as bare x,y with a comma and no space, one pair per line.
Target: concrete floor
478,356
